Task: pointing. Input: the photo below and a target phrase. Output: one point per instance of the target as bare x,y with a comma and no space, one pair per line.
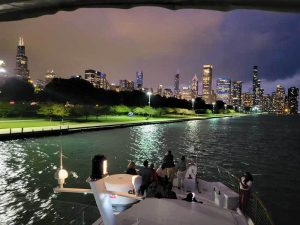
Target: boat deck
207,211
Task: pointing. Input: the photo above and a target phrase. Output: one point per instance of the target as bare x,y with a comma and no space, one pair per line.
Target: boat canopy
21,9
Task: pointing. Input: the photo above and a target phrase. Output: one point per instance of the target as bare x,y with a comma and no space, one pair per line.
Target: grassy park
34,122
6,123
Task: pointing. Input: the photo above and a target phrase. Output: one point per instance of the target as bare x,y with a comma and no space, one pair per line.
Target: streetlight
225,106
213,107
193,101
149,94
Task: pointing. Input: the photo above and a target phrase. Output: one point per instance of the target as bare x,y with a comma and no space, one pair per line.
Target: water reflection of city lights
146,143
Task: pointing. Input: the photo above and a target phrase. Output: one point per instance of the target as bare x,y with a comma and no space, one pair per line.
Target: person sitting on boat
169,193
181,171
155,190
131,169
190,197
169,162
245,189
146,174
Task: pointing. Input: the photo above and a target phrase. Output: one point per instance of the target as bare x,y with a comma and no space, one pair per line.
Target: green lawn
37,122
31,122
18,123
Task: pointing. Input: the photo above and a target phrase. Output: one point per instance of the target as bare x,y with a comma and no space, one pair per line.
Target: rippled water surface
268,146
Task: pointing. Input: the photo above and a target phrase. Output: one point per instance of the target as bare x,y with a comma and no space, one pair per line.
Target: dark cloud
157,41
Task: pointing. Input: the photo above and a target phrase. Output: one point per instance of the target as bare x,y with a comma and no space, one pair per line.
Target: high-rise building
266,103
126,85
176,84
168,93
186,93
38,85
3,75
256,89
22,61
160,90
236,94
50,75
90,76
195,87
293,94
131,85
247,99
223,90
102,81
207,84
97,78
2,67
114,87
279,103
139,80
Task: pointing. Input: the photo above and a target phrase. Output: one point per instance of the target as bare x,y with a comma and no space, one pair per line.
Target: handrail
255,210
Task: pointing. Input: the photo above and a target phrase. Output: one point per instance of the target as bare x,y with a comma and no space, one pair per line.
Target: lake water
267,146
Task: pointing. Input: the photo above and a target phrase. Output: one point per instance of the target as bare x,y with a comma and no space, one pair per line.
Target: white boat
217,204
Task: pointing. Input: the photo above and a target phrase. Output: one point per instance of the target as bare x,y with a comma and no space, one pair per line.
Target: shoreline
35,132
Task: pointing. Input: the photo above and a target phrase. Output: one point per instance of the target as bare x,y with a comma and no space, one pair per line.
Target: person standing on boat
169,163
245,189
147,177
181,170
131,169
162,174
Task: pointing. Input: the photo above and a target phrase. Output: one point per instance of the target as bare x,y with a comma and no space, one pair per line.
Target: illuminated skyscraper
293,94
256,88
186,93
50,75
223,90
168,93
279,102
2,67
3,75
247,99
126,85
97,78
266,103
236,96
160,90
195,87
207,84
139,80
21,61
176,85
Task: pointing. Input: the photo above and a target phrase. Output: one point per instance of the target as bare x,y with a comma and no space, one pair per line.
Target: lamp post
193,102
213,107
225,107
149,94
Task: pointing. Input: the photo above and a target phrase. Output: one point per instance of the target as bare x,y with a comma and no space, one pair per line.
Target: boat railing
256,210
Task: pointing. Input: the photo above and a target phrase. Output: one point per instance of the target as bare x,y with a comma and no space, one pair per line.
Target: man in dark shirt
147,176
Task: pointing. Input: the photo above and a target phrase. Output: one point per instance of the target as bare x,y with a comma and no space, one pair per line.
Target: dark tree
75,91
17,89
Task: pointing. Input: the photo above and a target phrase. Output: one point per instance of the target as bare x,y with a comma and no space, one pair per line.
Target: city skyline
131,46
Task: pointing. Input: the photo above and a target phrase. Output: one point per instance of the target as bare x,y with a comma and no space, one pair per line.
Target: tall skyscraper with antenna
176,84
22,61
256,88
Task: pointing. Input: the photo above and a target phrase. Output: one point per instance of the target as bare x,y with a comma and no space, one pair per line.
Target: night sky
160,42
